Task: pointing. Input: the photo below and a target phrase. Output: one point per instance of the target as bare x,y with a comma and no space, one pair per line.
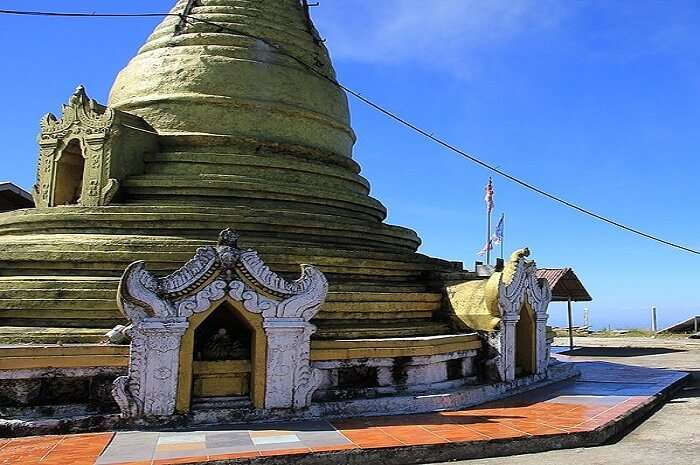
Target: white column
541,346
508,340
291,381
156,364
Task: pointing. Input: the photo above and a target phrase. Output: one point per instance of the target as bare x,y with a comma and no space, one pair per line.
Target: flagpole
488,235
489,209
503,233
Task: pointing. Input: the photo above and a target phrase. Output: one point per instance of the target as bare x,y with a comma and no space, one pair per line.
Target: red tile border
297,451
337,448
238,455
141,462
195,459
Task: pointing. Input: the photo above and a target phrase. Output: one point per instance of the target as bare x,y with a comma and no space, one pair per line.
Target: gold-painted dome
197,78
246,138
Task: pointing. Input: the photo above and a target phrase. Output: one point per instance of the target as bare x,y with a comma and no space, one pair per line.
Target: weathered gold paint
118,356
525,350
318,355
79,356
258,354
221,378
249,139
475,303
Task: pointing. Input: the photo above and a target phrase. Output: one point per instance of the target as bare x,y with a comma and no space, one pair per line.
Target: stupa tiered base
234,121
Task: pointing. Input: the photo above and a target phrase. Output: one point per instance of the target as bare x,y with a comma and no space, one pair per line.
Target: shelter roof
565,284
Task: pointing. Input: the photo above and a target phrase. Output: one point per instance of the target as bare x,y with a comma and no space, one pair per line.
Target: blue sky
596,101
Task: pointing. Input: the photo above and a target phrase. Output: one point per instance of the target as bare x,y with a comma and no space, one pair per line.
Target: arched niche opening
525,343
69,172
222,359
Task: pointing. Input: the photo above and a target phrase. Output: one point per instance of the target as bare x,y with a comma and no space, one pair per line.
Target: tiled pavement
604,393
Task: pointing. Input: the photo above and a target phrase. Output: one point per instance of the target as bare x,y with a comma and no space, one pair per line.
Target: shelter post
571,323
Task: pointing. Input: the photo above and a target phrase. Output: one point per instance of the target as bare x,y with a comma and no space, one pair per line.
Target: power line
191,19
86,15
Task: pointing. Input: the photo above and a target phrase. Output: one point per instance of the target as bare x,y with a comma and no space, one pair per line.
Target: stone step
86,310
58,304
216,403
204,222
57,294
261,174
174,162
106,243
64,319
50,335
166,259
370,313
393,328
63,282
279,194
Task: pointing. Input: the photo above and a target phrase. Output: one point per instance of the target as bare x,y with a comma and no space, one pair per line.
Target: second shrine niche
87,153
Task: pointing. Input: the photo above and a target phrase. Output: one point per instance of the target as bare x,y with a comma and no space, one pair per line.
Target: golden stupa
229,117
211,129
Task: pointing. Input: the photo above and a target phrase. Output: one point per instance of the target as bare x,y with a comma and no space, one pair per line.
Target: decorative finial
518,254
228,237
79,96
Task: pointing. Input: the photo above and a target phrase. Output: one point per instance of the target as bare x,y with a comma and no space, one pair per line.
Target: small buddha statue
221,346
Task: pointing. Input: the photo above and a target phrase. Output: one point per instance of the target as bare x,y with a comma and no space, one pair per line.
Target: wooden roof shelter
565,285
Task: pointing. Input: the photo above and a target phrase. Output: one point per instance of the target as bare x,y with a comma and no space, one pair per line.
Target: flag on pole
498,235
489,197
488,247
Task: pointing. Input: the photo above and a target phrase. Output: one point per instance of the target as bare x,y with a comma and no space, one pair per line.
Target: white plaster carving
288,363
520,290
159,309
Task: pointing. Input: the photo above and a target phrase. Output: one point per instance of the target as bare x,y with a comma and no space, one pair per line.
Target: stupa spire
238,79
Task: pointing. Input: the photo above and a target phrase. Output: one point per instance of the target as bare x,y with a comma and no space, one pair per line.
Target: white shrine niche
521,341
159,310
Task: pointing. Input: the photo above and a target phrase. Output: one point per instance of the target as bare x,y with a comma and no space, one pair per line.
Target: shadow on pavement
619,351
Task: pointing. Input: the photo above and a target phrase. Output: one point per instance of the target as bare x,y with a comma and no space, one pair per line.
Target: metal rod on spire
182,25
488,239
489,209
503,232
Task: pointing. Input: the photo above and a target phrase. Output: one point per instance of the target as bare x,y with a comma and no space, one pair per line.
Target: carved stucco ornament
521,291
87,152
159,308
494,306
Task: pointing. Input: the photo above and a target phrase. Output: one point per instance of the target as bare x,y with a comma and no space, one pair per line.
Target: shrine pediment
165,312
215,273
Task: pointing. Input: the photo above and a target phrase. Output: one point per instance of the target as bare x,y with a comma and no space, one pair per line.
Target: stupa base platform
44,380
604,402
83,417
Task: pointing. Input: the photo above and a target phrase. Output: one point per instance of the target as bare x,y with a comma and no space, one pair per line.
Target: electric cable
191,19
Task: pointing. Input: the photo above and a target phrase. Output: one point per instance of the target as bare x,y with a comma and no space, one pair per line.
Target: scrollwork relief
519,290
211,276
